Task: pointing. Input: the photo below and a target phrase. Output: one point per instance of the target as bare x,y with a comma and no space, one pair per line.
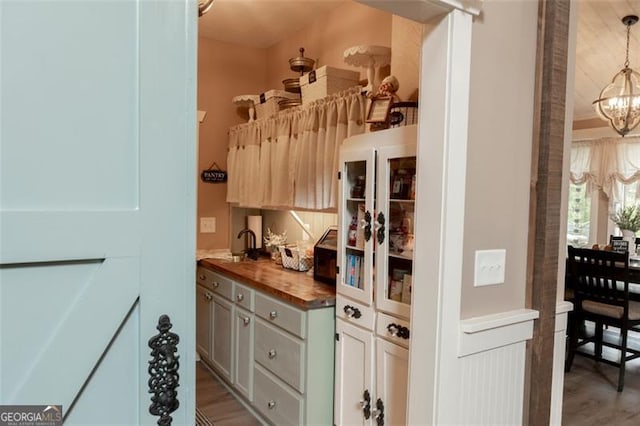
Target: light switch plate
489,267
207,225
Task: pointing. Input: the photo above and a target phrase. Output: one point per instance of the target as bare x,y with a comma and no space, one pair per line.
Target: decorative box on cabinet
375,255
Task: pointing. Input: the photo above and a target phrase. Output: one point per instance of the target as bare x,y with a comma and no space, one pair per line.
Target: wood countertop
294,287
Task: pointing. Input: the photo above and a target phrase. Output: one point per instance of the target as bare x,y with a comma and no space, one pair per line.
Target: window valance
290,160
606,163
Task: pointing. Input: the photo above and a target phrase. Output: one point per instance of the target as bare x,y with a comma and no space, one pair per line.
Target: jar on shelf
353,232
357,190
400,184
412,189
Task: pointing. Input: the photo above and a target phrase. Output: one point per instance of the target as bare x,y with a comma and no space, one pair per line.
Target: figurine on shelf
388,88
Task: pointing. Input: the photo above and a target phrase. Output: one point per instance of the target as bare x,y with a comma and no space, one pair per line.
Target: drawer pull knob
271,404
201,277
216,284
240,297
352,312
246,320
209,296
272,354
400,331
273,315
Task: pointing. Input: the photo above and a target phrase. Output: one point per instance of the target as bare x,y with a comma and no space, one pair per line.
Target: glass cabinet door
394,228
355,251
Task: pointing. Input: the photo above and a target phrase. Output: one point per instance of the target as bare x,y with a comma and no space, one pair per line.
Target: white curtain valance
290,160
606,163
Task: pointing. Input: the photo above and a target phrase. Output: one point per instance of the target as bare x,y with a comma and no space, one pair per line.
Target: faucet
251,252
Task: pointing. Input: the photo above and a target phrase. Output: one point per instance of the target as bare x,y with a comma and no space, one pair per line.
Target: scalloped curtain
606,163
290,160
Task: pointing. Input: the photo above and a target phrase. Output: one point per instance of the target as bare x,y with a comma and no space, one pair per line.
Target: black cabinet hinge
337,337
339,175
338,269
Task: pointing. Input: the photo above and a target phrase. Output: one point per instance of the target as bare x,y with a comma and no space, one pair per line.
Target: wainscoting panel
492,386
491,365
559,347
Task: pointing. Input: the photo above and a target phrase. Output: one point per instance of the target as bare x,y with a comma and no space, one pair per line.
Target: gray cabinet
222,317
203,321
294,364
278,357
243,346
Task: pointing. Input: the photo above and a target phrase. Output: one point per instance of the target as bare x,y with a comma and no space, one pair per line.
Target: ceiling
600,49
260,23
600,43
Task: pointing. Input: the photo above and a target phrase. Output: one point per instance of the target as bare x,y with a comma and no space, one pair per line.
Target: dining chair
601,294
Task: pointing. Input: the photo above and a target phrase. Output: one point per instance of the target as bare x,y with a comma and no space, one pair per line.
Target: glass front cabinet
376,211
375,256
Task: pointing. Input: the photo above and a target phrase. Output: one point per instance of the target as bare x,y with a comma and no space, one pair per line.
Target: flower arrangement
273,241
628,218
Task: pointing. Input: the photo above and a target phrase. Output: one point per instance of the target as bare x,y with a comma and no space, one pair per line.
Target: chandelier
619,101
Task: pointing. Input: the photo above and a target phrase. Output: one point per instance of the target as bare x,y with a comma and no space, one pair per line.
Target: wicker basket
326,80
403,114
294,258
267,103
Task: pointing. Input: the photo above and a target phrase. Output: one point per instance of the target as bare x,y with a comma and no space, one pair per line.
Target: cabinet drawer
280,405
393,329
244,296
280,353
215,282
355,313
281,314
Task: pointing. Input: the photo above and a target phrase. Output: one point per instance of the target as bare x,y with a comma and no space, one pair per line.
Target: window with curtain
628,196
610,165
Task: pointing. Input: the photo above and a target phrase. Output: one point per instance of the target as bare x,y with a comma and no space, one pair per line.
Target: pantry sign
214,174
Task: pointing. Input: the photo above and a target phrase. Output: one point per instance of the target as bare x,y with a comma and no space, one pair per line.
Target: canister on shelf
357,190
412,190
400,184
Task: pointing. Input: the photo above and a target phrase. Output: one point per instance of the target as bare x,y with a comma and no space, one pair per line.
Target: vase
630,237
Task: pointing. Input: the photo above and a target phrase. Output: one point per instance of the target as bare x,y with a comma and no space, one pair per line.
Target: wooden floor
590,396
217,404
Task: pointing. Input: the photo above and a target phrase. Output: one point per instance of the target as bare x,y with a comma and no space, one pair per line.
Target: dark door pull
163,372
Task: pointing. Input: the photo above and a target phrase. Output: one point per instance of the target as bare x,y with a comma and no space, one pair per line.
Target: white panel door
97,208
354,391
392,363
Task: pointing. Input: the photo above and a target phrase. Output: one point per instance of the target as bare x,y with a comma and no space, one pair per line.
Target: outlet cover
489,267
207,225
